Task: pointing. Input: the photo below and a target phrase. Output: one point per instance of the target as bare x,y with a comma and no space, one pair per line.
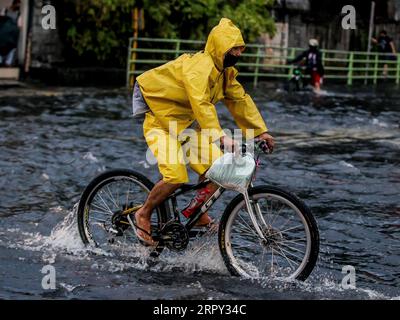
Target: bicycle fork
254,216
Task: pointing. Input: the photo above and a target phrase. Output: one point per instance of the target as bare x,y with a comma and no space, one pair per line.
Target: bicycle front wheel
290,243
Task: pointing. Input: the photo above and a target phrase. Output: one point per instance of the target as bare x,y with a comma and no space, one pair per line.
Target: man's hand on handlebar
270,141
230,145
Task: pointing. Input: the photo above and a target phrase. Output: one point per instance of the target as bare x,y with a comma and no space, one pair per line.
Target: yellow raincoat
185,90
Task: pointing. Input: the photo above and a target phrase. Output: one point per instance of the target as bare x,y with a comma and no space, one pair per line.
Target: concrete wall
330,36
305,24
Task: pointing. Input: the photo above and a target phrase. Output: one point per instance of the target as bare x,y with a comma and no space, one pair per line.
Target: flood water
339,152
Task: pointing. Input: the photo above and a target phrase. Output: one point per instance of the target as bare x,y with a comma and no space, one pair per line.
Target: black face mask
230,60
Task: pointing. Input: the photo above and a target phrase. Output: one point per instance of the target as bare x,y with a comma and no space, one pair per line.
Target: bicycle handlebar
263,146
260,146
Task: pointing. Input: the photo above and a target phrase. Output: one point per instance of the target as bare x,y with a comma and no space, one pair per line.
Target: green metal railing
260,61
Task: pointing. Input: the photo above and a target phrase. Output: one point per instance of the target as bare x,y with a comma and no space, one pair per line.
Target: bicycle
266,231
296,81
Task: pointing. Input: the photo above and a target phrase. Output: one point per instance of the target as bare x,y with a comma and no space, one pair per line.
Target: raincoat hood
221,39
186,89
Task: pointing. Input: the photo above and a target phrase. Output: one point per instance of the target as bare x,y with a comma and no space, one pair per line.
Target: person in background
10,25
313,63
386,46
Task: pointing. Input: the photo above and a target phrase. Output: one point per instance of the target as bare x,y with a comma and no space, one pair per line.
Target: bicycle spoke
269,211
110,196
289,247
290,253
101,212
292,241
118,198
258,212
105,204
277,214
127,196
242,245
99,206
287,220
97,219
248,226
291,228
247,230
242,227
283,255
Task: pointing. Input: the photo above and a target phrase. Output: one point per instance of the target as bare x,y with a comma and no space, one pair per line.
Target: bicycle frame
209,203
171,208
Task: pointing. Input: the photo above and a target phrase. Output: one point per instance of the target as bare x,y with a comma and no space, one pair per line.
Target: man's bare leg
317,87
157,195
205,218
385,70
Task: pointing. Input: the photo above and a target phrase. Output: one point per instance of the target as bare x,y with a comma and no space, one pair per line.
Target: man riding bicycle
183,91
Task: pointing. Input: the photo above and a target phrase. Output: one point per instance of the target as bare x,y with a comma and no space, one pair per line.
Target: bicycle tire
96,184
238,202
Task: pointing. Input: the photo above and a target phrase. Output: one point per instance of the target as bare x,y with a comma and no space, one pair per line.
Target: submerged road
339,152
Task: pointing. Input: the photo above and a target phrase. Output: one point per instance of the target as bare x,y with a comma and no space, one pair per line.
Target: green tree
96,31
193,19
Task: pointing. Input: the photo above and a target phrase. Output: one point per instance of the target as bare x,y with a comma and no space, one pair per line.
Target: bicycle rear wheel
100,219
291,238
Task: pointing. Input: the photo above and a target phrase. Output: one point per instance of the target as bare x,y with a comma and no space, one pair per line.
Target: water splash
65,235
89,156
202,255
64,239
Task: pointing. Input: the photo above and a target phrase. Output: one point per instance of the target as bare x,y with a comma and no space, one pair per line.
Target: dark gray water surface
339,152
